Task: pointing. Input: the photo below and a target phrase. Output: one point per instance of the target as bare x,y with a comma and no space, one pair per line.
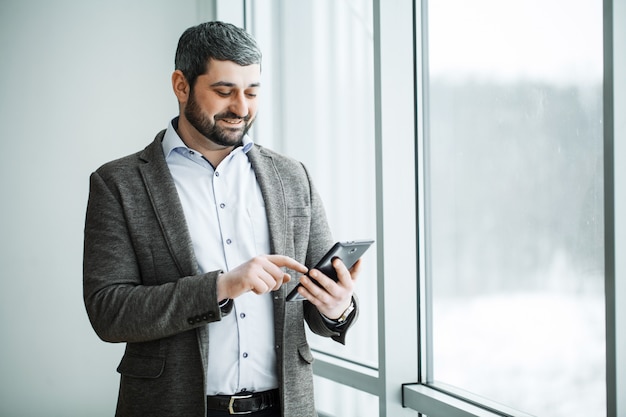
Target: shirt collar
171,140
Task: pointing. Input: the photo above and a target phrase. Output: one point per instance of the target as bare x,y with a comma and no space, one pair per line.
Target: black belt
243,403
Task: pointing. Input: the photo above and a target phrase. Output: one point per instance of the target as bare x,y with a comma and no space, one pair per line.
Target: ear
180,86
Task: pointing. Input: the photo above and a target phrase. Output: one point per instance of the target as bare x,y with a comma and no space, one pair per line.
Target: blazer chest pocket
138,366
299,212
300,223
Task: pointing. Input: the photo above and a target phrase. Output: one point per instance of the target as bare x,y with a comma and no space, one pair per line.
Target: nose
239,105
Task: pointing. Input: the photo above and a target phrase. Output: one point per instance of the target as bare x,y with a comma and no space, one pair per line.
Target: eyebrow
227,84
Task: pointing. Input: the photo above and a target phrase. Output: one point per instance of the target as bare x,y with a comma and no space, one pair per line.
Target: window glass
333,399
515,203
320,110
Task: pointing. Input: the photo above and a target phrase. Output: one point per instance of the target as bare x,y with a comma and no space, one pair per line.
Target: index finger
287,262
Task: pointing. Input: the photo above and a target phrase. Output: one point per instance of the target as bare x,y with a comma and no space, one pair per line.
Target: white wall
81,82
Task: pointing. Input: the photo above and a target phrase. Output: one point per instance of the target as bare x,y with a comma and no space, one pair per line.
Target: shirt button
245,354
222,205
228,241
242,315
217,174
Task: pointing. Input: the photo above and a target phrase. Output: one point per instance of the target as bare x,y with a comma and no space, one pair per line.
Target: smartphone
348,252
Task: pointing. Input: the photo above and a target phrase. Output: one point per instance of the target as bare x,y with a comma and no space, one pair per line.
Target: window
326,120
514,203
488,148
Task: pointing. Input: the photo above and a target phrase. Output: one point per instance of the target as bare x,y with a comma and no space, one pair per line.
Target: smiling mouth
232,121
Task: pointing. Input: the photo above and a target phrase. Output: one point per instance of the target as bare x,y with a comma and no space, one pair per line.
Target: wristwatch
226,306
346,313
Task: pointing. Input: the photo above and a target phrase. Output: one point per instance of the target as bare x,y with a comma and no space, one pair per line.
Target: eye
252,92
223,93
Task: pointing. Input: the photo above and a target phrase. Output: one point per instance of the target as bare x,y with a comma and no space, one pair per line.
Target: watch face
346,313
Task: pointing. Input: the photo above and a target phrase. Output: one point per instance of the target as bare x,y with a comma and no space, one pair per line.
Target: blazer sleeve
127,297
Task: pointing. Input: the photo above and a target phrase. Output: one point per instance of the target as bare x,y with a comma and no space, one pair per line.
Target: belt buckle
232,401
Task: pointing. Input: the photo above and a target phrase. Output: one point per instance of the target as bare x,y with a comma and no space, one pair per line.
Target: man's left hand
332,298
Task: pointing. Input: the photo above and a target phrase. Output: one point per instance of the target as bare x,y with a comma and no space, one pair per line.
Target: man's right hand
260,275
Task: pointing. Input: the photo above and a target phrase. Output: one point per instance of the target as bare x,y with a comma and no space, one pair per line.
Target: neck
211,151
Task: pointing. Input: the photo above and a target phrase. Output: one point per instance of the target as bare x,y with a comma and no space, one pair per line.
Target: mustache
231,115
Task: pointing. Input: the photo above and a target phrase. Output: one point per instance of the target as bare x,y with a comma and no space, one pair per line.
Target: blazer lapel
276,208
164,198
273,195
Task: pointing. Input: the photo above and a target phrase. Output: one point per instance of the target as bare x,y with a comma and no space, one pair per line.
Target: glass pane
333,399
515,202
325,117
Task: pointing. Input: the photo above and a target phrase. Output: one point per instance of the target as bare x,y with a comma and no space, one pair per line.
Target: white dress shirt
226,218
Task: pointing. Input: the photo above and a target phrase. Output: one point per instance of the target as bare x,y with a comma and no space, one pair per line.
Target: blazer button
190,320
211,314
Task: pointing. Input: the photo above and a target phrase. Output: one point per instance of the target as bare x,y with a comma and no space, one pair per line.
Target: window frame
435,402
397,264
400,92
615,202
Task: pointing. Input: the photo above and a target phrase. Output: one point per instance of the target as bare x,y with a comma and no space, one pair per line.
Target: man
192,244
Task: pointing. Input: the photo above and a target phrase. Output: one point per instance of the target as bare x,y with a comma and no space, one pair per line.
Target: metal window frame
434,402
400,91
615,202
396,258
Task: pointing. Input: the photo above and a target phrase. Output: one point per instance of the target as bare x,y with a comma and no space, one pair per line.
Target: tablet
349,252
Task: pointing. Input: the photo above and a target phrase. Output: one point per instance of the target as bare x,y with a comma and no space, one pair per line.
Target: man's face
223,103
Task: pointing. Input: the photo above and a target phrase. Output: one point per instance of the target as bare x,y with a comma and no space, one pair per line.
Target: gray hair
214,40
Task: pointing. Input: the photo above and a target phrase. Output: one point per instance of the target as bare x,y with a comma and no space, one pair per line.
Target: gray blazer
142,285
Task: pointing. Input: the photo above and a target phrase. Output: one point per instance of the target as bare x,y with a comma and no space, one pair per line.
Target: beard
223,136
